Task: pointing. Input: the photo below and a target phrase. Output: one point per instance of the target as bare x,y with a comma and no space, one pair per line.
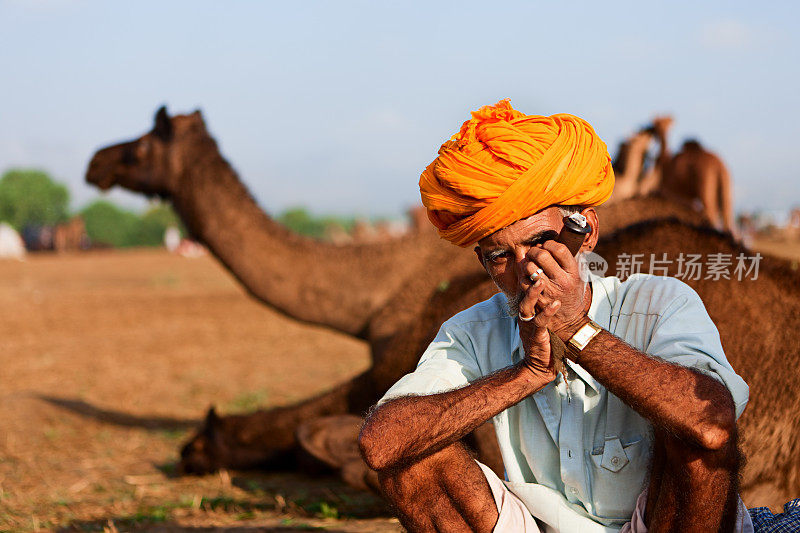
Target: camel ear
163,125
212,418
197,116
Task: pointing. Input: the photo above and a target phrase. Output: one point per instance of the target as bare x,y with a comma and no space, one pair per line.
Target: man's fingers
541,258
527,307
543,319
562,255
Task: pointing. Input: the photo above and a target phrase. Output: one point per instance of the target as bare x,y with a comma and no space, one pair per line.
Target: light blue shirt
572,441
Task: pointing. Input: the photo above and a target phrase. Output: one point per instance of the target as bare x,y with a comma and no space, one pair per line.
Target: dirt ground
108,359
778,247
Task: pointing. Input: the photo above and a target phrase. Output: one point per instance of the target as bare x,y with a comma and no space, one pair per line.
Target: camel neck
336,286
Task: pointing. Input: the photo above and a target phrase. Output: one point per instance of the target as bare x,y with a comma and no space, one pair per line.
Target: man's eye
498,258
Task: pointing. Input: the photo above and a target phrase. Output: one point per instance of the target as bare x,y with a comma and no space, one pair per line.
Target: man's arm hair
691,405
411,427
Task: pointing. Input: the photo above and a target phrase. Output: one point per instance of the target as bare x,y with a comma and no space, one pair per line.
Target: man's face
503,253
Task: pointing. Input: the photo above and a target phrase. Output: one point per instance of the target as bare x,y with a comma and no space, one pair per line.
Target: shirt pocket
617,475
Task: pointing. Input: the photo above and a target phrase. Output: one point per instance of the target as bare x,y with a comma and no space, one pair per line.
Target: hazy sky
340,105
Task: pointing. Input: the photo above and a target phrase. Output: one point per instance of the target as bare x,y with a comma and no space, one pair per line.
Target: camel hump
694,154
692,145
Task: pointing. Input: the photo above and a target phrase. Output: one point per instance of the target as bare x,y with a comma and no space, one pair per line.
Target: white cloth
573,448
743,522
514,516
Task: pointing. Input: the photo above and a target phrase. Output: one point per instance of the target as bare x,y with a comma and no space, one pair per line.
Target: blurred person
172,239
11,244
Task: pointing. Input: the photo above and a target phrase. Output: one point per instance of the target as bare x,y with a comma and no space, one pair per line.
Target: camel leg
726,200
709,195
650,181
626,185
445,491
692,490
352,396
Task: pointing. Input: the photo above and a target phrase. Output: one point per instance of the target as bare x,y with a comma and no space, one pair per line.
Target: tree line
32,198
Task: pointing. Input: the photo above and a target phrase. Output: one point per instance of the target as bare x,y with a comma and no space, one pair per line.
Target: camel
417,282
763,351
340,286
769,429
370,290
629,164
695,177
633,178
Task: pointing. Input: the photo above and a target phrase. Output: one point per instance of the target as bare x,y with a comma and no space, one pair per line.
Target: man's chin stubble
513,302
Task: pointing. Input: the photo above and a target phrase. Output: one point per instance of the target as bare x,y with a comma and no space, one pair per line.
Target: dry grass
787,249
108,360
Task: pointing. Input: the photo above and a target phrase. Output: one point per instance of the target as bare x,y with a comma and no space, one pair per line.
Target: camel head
201,454
228,442
662,124
153,163
210,449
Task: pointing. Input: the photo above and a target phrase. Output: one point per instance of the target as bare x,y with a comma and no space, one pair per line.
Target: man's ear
590,241
480,256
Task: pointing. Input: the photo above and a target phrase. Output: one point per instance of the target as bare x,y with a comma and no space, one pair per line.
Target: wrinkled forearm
412,427
693,406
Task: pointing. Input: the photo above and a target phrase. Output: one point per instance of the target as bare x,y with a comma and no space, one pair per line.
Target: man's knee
420,480
692,489
446,491
700,464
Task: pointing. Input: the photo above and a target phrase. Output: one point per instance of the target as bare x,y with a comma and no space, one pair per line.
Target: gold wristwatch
584,335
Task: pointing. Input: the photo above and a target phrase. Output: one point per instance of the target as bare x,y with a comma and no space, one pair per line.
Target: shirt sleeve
684,334
448,363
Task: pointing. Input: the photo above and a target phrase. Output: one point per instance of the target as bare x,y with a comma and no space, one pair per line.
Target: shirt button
615,460
573,490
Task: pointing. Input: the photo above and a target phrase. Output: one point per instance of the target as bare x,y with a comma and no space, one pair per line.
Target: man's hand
561,281
534,335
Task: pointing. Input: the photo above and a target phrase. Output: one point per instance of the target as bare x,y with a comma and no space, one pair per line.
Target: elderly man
638,429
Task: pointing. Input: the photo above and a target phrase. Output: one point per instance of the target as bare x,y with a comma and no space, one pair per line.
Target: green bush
153,223
31,197
110,225
300,221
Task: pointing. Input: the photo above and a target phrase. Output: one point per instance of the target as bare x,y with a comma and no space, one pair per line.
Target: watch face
584,335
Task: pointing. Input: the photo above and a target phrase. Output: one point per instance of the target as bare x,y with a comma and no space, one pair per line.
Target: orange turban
503,166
